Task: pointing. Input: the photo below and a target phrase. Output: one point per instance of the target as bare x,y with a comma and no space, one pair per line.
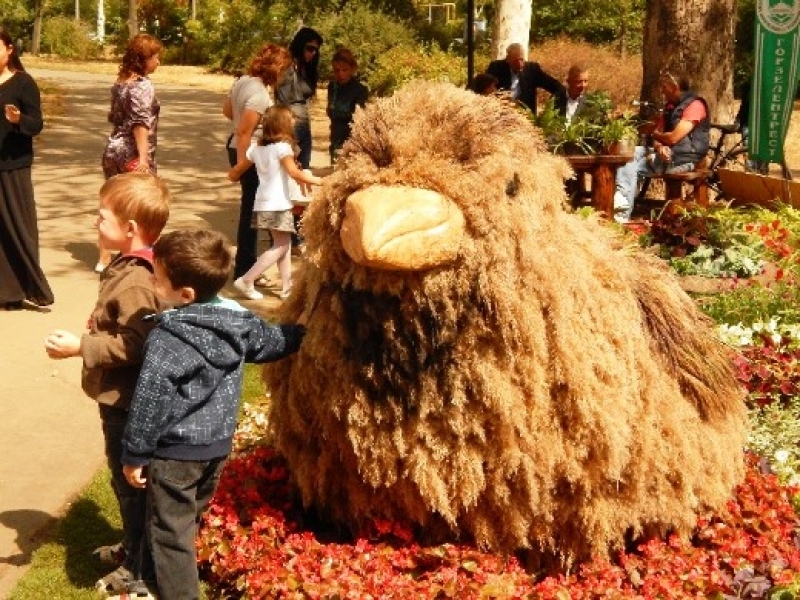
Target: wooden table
602,169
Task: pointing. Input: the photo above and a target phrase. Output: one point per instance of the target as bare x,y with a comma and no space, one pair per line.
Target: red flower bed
769,373
252,544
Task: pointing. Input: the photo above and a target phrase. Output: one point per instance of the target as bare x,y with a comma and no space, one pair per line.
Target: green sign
775,75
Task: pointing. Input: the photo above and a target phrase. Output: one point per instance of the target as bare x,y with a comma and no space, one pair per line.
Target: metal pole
470,41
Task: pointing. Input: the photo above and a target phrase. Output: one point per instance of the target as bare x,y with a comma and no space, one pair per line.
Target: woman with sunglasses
300,85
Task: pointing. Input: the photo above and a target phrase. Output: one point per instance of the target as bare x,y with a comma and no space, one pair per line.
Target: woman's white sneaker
248,291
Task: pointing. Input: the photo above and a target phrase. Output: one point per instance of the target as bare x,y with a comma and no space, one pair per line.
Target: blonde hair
278,125
138,197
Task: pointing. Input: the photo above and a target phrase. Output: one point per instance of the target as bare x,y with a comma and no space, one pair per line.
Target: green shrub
403,64
441,33
231,40
68,38
368,34
748,304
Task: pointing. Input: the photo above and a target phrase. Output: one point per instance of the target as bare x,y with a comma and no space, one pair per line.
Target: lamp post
470,41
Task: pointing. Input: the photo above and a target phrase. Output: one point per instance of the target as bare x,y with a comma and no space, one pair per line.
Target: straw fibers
547,387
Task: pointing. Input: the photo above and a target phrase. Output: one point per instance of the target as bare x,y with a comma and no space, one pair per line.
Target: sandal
115,582
112,555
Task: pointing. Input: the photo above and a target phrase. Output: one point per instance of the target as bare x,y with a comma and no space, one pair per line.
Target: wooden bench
674,185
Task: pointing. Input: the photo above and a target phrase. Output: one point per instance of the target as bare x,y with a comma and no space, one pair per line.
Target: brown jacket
112,351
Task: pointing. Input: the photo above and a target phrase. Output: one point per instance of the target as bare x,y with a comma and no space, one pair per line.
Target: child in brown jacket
134,208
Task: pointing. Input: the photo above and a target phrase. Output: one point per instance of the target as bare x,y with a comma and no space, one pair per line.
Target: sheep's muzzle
401,228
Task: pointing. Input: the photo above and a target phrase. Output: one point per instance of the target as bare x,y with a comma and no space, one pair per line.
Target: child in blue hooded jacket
183,414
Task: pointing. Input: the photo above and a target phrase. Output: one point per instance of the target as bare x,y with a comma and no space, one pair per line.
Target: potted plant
550,121
578,137
614,136
562,137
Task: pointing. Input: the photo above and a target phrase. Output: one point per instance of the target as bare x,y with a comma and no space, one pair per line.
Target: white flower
735,335
781,456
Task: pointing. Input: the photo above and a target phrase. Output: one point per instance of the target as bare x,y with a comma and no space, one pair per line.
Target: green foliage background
225,33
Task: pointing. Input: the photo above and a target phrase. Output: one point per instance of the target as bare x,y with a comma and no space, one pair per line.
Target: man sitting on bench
681,143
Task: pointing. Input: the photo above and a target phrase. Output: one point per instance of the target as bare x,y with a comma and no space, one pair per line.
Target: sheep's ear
512,186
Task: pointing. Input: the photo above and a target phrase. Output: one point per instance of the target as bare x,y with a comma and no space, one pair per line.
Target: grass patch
63,568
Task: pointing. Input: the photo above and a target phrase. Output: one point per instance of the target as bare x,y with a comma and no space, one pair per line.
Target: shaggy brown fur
548,389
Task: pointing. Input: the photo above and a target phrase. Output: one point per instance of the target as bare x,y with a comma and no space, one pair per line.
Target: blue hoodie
187,397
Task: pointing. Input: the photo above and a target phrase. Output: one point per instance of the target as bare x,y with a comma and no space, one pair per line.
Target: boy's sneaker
248,291
115,582
111,555
136,590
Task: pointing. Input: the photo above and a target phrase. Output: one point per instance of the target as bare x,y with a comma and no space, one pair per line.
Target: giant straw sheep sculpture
484,364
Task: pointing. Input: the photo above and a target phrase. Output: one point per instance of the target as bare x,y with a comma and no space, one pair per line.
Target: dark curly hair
269,63
308,70
141,48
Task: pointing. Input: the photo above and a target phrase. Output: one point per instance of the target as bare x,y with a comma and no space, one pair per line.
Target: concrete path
50,433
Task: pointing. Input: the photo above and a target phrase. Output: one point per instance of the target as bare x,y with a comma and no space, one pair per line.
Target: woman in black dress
21,277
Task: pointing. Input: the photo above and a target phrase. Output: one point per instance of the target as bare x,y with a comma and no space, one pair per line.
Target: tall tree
133,22
512,24
36,37
694,37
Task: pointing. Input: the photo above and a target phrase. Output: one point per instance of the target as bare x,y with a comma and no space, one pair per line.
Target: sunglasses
312,48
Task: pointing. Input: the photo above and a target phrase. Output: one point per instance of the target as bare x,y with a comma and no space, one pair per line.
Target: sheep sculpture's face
436,173
425,229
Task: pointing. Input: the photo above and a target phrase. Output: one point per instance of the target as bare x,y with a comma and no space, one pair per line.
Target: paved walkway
51,440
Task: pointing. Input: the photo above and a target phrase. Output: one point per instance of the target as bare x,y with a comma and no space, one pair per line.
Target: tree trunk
693,38
36,37
133,21
101,21
512,24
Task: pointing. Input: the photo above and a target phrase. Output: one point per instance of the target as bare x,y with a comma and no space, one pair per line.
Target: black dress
21,277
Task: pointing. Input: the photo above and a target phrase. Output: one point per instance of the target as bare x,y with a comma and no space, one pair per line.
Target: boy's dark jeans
132,501
177,494
246,236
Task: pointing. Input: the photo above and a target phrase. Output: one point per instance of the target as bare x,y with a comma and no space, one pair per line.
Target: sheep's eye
512,186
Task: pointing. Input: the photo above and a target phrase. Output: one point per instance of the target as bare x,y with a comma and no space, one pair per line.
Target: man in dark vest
678,145
523,78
